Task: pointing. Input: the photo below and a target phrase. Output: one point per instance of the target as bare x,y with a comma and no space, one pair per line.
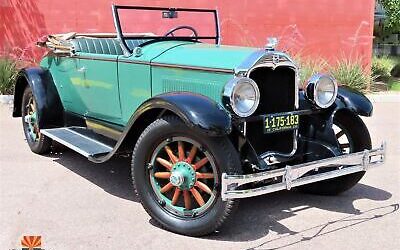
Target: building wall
318,28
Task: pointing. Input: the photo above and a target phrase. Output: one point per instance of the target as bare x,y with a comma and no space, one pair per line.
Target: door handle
82,70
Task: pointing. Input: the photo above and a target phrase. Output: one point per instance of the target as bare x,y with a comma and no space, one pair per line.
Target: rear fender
50,111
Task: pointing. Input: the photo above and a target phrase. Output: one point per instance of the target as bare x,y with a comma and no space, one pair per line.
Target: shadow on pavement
254,218
326,228
114,176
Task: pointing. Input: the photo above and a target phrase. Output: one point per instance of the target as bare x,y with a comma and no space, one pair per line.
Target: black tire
359,140
41,144
223,154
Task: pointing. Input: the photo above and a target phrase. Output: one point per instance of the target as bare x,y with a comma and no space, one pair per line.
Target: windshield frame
123,38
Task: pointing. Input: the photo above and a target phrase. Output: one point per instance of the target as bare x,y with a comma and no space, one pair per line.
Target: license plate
282,122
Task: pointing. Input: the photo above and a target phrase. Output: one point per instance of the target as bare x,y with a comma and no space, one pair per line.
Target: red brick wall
320,28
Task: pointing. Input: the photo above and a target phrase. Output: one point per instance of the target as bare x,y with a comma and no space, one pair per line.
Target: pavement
75,204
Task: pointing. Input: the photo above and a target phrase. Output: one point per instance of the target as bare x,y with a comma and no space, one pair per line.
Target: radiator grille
277,94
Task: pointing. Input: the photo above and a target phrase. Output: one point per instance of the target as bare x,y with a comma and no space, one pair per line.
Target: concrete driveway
75,204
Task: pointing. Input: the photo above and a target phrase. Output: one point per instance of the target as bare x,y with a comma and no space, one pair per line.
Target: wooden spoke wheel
183,176
176,172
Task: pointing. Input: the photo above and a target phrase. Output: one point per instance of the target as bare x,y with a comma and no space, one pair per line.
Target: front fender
49,107
197,111
319,127
354,101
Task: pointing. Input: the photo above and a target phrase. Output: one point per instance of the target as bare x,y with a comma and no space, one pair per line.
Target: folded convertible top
61,43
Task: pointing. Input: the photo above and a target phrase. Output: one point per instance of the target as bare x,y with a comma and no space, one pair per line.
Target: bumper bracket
296,175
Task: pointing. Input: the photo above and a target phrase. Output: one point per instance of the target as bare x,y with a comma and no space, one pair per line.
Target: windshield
137,26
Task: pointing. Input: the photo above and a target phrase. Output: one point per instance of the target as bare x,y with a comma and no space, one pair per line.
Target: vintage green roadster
205,124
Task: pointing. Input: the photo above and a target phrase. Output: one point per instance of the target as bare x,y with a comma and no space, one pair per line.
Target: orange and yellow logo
31,242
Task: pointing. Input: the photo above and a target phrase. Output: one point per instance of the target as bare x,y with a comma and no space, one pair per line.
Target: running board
81,140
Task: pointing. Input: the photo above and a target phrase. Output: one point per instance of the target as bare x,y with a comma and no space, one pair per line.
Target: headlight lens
242,96
322,90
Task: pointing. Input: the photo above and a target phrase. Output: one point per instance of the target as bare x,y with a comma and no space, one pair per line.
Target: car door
98,87
135,84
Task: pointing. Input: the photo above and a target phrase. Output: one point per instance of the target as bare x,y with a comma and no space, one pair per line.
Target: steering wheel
181,27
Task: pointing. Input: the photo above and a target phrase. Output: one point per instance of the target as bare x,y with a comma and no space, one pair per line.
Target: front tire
38,143
352,136
176,173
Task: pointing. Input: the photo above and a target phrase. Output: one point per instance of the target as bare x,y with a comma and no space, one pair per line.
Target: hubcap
183,175
177,179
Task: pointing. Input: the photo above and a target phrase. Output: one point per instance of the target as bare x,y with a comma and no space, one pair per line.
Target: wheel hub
31,119
183,175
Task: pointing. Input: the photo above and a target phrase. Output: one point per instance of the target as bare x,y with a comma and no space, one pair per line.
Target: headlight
321,90
242,95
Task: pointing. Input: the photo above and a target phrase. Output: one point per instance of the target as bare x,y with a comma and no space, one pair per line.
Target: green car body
112,87
205,124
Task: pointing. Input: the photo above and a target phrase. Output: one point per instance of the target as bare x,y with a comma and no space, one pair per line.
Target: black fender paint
354,101
347,98
49,107
198,112
208,117
319,126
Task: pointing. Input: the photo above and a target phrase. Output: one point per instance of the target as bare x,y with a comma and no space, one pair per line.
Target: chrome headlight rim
231,89
312,88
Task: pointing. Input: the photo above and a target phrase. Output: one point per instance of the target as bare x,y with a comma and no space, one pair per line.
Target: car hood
205,55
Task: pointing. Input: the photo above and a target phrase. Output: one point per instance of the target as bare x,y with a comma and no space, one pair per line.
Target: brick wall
319,28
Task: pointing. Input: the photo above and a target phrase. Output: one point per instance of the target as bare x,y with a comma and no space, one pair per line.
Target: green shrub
392,10
352,74
309,67
382,66
8,74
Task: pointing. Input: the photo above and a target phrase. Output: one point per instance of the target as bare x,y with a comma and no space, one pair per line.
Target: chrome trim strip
94,58
122,60
217,70
249,62
165,65
255,57
293,176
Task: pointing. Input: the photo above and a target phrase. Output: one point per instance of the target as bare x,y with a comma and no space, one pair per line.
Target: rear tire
170,134
38,143
358,139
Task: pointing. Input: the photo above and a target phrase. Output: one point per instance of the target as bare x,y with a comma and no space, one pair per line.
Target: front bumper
293,176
